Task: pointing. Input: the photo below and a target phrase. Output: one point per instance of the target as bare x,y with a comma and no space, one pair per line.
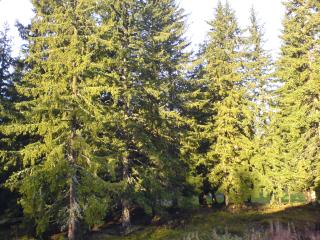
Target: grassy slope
205,220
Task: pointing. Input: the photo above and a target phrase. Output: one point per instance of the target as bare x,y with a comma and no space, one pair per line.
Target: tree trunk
202,199
307,195
214,199
73,205
313,197
226,200
271,198
125,218
73,218
73,222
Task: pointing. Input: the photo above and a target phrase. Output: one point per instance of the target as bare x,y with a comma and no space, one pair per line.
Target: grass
204,221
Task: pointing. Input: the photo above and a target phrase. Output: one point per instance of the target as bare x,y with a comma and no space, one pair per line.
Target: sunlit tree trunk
226,200
289,196
73,221
125,218
272,197
73,206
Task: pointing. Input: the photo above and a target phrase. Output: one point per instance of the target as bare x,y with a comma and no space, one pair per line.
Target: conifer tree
311,100
229,128
232,124
6,62
258,72
126,39
66,113
295,72
165,56
150,54
7,114
198,109
260,85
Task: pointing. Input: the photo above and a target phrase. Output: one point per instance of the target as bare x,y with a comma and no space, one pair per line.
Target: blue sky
270,13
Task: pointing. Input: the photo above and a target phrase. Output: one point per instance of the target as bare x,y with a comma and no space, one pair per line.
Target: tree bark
226,200
125,218
73,154
73,205
213,199
202,199
307,196
73,222
73,218
271,198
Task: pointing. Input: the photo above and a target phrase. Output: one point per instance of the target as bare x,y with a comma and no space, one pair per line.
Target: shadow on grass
254,222
300,222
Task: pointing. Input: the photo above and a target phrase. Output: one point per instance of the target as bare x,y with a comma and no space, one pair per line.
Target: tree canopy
107,110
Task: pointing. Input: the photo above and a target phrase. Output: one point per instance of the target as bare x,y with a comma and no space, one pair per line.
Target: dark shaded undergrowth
256,222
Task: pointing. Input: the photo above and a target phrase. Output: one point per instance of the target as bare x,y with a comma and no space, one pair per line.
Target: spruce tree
258,72
198,101
228,130
260,85
6,84
165,56
7,114
126,38
7,90
150,53
66,113
311,101
294,70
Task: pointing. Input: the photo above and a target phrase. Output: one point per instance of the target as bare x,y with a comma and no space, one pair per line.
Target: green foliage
227,126
100,108
106,111
151,53
296,116
260,85
64,115
8,142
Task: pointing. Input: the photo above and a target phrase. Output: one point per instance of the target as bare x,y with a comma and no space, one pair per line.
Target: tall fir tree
294,70
151,49
260,85
8,96
311,101
197,108
227,130
230,128
6,63
66,113
165,56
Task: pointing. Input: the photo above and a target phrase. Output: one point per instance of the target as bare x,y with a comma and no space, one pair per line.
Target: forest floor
294,222
259,221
